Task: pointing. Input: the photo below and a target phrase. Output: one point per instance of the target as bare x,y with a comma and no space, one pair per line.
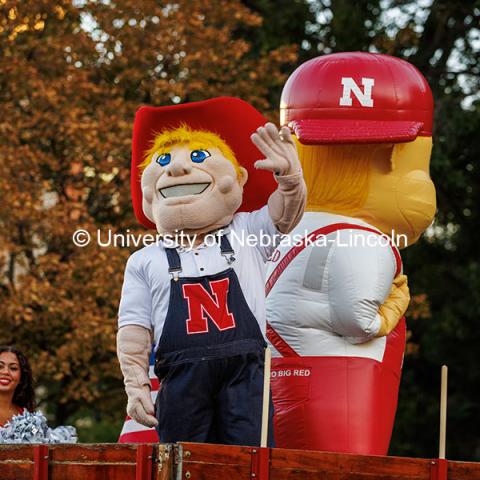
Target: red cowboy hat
231,118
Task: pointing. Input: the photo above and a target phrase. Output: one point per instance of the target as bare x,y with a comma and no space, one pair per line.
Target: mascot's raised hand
281,159
280,152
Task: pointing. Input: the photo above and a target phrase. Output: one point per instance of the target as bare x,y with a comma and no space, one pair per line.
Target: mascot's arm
287,203
134,344
395,305
363,303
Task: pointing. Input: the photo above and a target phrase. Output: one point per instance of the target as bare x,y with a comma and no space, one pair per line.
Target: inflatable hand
278,148
140,406
394,306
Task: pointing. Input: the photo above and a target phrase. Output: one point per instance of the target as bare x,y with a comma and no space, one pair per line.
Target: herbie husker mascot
363,123
203,303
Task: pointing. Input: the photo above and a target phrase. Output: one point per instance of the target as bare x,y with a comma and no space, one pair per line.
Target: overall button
202,269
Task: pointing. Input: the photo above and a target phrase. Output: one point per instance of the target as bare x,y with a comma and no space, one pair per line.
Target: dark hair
24,395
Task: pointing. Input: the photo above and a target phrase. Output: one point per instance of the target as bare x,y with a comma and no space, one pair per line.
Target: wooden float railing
194,461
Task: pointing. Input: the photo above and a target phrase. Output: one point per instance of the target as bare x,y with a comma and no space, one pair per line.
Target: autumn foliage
72,75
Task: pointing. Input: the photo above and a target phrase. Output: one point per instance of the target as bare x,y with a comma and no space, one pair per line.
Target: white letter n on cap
349,87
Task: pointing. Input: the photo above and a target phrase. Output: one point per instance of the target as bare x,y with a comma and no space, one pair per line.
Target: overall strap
312,237
226,249
174,263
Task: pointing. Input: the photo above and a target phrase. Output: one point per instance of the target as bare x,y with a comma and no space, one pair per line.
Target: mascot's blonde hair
194,139
336,176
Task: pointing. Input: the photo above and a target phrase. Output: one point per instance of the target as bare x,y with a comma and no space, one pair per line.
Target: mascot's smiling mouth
183,190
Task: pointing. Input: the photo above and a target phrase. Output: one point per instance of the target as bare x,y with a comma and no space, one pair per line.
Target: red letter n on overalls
201,304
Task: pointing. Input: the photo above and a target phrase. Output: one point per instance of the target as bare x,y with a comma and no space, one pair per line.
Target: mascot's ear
147,209
147,192
242,176
148,184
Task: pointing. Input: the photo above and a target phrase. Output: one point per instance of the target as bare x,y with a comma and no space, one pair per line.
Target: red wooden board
213,462
463,471
295,463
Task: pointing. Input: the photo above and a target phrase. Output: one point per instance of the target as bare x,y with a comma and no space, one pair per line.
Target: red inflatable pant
338,404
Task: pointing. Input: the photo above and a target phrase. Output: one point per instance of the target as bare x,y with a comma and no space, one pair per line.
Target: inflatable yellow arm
395,305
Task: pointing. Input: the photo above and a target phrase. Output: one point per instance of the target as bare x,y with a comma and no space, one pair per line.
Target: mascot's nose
180,165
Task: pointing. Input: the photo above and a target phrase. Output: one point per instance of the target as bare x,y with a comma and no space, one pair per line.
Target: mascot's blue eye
164,159
199,156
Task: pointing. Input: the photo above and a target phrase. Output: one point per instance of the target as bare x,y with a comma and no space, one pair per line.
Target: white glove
140,406
133,349
280,152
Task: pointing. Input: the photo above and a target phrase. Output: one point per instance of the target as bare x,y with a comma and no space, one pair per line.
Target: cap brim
317,131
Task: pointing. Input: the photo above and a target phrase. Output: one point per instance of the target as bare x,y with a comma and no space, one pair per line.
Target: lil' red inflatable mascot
363,125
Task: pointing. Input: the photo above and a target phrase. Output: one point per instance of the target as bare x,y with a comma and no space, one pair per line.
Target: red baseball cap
231,118
357,97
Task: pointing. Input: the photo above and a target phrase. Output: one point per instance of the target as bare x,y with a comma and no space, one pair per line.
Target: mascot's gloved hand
134,344
395,305
279,149
287,203
140,406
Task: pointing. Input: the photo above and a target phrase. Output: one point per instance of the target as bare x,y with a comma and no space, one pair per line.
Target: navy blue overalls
210,360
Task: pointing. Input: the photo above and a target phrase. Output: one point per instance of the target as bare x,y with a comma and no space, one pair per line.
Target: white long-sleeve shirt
146,285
